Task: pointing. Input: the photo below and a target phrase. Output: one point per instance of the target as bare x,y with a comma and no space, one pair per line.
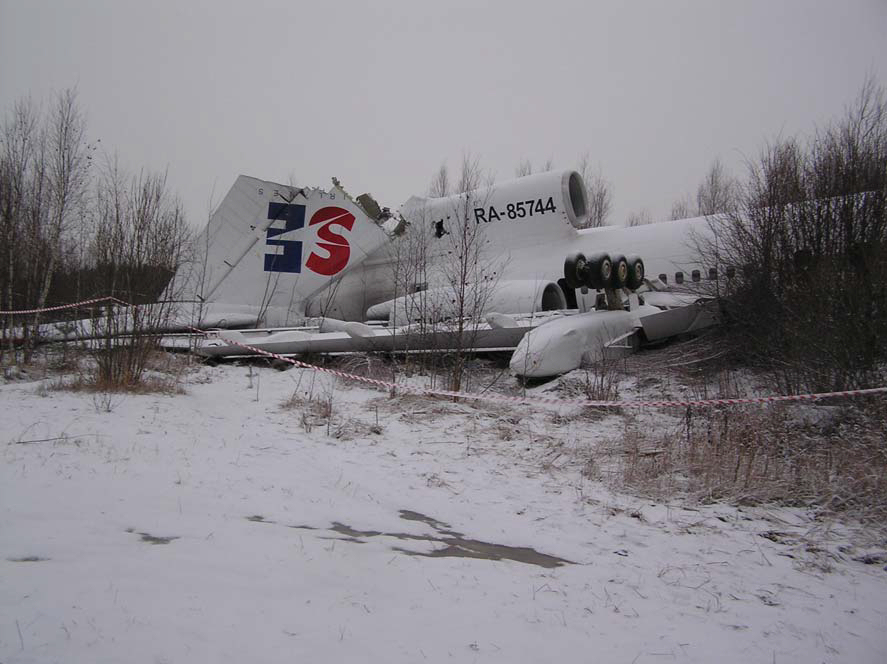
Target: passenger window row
696,275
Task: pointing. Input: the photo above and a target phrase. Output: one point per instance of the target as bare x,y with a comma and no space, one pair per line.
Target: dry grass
314,410
832,459
510,427
314,400
829,457
317,409
75,371
164,378
375,367
595,382
149,384
351,428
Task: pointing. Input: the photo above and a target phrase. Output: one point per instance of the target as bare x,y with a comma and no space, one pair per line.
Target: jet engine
537,197
504,297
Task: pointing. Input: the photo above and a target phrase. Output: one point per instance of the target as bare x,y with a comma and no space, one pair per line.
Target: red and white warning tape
64,306
502,398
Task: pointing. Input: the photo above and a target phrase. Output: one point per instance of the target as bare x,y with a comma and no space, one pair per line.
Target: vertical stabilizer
269,247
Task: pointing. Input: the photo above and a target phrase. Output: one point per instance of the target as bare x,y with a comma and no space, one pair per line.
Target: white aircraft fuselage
280,255
524,248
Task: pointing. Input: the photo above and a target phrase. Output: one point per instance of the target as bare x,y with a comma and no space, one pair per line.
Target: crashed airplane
309,270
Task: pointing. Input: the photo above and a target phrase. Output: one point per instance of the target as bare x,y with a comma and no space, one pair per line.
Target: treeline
73,224
809,228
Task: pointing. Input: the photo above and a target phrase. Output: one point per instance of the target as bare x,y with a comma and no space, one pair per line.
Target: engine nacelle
504,297
537,197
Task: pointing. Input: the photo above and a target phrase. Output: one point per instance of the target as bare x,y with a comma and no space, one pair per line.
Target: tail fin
269,247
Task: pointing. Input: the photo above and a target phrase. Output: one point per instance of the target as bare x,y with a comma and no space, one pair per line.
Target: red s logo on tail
334,244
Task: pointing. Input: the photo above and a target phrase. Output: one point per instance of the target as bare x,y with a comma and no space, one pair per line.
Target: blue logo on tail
291,258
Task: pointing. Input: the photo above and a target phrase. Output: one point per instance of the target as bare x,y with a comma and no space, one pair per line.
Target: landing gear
594,272
636,273
574,270
619,275
600,271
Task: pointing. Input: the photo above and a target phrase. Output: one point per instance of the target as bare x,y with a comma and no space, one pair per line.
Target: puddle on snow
27,559
152,539
455,544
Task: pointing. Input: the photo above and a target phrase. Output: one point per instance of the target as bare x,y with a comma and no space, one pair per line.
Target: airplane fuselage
517,252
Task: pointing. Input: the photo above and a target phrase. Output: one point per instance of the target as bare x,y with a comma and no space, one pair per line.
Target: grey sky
378,94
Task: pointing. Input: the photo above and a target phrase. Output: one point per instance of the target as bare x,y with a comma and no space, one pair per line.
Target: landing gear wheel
619,274
636,272
575,268
599,271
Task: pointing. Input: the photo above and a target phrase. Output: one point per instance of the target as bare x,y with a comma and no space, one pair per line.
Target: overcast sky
380,93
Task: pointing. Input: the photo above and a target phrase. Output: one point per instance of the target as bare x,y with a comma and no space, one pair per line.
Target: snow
290,540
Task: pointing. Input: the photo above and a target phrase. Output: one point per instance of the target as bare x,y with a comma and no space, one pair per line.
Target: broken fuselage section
321,272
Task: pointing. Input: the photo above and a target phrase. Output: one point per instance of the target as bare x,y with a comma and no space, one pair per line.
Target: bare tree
717,191
409,256
640,218
682,208
440,270
63,238
600,193
525,167
68,158
18,156
139,242
465,269
441,274
808,240
440,183
45,172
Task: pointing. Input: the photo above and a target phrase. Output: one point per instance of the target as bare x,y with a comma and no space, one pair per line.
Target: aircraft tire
574,269
619,272
636,272
599,270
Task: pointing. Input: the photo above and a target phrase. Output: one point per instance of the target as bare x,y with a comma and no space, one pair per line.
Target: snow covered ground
218,525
